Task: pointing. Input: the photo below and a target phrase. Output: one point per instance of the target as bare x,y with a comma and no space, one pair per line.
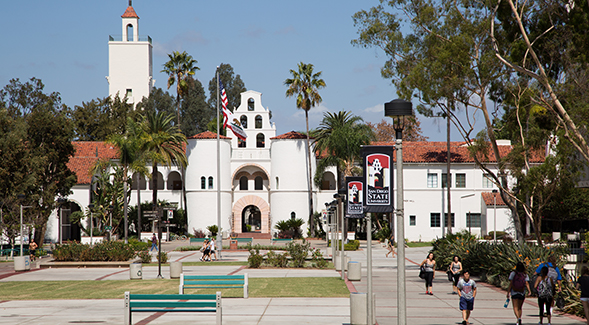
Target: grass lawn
202,263
111,289
419,244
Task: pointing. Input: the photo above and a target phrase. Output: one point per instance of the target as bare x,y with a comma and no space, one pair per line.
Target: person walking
583,285
391,247
467,290
456,269
153,243
554,274
544,286
429,265
518,282
212,249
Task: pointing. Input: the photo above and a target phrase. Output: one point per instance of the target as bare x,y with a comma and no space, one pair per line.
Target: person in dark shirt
583,284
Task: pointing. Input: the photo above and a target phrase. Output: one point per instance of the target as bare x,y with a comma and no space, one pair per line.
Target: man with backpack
554,274
518,283
544,286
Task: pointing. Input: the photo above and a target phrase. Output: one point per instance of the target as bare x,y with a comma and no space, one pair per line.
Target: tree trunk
125,205
310,187
154,178
139,206
448,177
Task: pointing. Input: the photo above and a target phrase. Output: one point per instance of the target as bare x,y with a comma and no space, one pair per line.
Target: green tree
196,113
305,85
99,118
163,143
338,140
159,100
233,84
131,159
179,68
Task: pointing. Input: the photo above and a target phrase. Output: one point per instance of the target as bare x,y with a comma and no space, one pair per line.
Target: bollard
354,271
175,270
135,271
358,310
22,263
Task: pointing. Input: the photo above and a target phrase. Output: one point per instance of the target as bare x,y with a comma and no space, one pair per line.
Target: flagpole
219,234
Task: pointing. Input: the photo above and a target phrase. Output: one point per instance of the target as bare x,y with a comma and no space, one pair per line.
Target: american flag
224,103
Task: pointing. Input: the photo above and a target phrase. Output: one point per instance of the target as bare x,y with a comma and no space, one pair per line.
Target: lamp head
397,109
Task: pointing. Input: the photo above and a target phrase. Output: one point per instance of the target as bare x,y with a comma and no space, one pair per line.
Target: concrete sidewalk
441,308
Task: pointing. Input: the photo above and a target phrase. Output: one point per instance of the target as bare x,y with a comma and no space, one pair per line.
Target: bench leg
219,312
127,309
245,286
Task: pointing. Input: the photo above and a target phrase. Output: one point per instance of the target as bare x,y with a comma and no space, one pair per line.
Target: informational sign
355,197
378,178
170,214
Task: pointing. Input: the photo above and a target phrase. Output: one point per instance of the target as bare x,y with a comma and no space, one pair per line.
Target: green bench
281,240
154,303
214,281
243,240
197,240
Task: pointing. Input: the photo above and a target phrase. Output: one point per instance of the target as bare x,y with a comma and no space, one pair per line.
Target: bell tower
130,63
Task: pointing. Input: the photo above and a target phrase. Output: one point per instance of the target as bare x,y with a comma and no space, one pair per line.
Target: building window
276,182
445,181
240,143
487,183
129,93
432,180
129,33
260,140
434,220
243,121
473,220
460,180
412,220
250,104
210,182
258,183
243,183
446,219
203,183
258,122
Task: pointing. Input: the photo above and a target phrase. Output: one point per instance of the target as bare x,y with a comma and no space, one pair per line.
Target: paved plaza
441,308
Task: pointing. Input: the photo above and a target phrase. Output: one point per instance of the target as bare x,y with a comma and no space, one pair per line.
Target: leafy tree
385,131
233,84
305,85
196,113
99,118
179,68
36,126
108,194
159,100
163,143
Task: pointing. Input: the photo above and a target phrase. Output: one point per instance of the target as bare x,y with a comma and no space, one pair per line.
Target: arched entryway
252,210
251,219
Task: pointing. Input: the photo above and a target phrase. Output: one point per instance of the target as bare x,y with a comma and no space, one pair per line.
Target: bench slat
155,310
172,304
199,277
213,282
172,297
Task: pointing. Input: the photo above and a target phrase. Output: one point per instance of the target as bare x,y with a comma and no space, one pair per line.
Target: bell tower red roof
130,12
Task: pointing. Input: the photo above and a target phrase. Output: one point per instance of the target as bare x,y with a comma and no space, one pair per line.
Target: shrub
139,245
144,256
298,253
213,229
353,245
198,233
277,259
162,257
255,259
317,259
104,251
290,228
382,234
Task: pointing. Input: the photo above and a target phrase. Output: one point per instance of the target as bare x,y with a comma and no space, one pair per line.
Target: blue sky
65,44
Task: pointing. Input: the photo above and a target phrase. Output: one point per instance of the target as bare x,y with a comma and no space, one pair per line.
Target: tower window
243,183
243,121
258,122
250,104
129,93
210,182
258,183
203,183
260,140
129,33
241,143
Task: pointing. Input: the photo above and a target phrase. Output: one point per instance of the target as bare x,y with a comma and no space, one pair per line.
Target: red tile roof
208,135
86,155
130,13
292,135
436,152
488,199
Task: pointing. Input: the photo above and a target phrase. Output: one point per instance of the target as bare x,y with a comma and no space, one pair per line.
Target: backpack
519,282
552,273
545,288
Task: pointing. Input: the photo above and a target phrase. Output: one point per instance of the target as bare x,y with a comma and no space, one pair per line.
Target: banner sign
355,197
378,178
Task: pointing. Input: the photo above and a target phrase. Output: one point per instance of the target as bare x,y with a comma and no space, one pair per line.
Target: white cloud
253,31
374,109
177,42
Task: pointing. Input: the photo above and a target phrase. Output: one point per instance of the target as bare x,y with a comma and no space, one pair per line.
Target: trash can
338,262
135,271
22,263
354,271
175,270
358,312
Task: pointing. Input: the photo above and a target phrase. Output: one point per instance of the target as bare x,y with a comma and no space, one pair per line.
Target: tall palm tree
178,68
305,85
163,143
338,139
131,158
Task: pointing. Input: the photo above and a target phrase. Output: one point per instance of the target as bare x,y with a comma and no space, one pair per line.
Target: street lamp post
21,198
398,109
495,215
91,206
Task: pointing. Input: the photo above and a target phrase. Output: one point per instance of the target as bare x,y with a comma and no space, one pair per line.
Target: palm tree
163,143
338,138
131,159
305,85
178,68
